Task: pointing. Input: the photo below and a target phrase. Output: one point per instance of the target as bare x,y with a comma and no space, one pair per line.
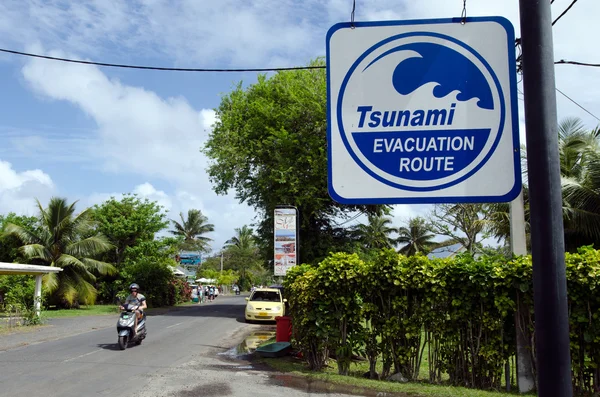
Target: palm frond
50,282
89,247
37,251
99,266
24,235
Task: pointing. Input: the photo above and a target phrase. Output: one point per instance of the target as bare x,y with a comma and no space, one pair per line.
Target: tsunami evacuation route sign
422,111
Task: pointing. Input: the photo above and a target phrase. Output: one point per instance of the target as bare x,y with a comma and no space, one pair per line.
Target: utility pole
221,261
545,201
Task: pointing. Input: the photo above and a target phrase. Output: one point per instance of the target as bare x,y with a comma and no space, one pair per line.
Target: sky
88,133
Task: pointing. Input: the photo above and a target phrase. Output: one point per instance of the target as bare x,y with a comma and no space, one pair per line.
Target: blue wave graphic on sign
444,66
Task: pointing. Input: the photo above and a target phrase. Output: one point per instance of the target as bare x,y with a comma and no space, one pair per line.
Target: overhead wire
119,65
572,100
564,12
171,69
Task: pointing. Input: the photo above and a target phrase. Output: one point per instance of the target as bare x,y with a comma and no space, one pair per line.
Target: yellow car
264,304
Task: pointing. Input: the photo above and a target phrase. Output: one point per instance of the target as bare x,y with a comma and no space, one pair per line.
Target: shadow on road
222,307
109,346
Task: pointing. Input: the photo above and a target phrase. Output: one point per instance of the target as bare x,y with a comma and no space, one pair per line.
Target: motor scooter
125,327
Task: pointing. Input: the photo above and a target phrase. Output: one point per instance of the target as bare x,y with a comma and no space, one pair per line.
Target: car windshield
266,296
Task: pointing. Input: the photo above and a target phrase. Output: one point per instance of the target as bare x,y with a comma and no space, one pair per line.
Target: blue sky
87,133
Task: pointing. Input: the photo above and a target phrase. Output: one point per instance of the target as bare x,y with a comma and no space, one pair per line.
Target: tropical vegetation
193,230
66,240
446,321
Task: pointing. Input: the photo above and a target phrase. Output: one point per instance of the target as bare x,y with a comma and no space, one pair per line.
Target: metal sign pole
547,232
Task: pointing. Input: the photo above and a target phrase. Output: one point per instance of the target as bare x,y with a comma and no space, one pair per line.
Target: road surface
187,353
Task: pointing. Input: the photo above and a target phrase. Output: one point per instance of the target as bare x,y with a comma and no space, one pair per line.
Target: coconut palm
580,170
68,241
417,237
376,233
242,254
193,230
498,222
243,240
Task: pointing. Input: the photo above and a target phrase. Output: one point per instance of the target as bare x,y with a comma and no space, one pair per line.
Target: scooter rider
136,299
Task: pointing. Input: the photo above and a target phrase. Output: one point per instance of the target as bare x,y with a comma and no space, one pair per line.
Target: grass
92,310
416,389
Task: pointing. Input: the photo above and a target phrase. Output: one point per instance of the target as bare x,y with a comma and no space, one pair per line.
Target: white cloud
225,217
141,133
137,130
18,190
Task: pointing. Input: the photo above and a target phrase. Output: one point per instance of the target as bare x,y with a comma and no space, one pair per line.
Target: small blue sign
422,112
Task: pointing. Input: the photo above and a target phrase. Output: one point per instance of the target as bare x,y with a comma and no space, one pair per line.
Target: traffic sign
422,111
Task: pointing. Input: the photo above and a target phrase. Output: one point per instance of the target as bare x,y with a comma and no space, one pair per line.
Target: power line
117,65
564,12
584,109
569,98
351,219
564,62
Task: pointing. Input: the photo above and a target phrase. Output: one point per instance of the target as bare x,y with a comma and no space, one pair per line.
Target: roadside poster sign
285,240
423,111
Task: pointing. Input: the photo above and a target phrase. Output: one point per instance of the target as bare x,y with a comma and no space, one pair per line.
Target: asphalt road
190,352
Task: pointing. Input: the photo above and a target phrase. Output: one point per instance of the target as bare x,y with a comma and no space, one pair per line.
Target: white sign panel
285,240
423,112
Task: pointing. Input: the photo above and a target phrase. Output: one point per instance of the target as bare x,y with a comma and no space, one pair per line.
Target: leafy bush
18,291
179,291
461,312
154,279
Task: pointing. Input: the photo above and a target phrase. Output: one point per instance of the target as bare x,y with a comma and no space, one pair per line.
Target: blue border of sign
512,194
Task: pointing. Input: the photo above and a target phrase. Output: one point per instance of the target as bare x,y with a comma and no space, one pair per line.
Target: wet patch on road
245,350
209,389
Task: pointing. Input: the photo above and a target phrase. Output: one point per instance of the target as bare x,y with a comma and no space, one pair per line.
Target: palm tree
242,253
498,224
68,241
579,151
376,234
193,230
417,237
243,240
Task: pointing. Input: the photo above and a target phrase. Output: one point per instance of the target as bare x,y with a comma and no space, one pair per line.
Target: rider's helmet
134,286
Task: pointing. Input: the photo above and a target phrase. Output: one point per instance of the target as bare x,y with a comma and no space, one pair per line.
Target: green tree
241,254
127,222
150,264
193,231
416,237
243,240
269,146
464,224
59,242
9,244
376,233
580,170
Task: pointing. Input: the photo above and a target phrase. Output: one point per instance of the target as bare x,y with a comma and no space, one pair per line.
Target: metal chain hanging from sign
463,16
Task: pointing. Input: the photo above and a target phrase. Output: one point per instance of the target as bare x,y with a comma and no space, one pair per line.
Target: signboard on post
286,239
422,112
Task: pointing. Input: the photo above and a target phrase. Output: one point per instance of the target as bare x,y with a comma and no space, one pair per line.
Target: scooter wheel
123,342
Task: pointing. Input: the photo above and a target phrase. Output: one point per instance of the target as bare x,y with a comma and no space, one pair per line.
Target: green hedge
459,313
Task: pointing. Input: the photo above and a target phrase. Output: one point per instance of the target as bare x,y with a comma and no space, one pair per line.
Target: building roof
446,252
17,268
